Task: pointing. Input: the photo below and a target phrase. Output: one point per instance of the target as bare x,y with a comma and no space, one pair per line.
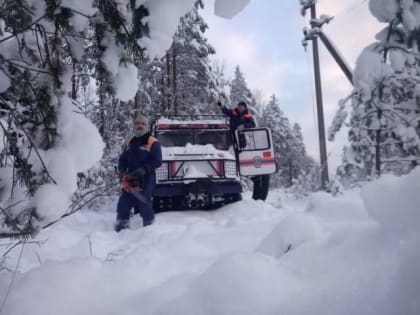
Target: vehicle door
255,151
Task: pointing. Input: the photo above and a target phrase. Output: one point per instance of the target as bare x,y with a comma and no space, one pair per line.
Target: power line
349,10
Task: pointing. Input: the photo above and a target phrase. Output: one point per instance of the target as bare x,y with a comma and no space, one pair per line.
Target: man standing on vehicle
240,118
136,166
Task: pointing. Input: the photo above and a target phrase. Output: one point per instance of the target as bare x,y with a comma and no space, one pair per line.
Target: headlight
230,169
162,172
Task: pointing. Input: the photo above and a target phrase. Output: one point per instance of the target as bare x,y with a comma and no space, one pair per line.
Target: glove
219,103
137,177
125,183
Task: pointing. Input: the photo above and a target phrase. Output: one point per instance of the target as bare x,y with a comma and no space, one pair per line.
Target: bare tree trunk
168,83
74,81
163,108
174,91
137,104
378,145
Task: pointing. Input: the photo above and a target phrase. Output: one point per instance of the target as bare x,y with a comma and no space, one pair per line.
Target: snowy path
322,255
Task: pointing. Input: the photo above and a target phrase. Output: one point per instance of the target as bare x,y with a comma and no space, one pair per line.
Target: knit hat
242,103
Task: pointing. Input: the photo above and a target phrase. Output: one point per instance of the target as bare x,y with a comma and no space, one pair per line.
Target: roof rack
190,117
206,121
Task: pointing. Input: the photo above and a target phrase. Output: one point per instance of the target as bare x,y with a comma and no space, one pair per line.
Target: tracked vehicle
203,161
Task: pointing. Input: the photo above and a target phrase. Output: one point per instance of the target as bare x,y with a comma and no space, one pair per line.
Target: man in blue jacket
239,116
137,164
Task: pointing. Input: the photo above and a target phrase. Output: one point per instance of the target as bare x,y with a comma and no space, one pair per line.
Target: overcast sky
265,40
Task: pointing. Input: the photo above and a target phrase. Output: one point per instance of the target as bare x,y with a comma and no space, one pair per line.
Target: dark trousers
128,201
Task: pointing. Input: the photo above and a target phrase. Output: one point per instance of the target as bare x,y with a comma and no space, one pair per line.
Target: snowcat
203,161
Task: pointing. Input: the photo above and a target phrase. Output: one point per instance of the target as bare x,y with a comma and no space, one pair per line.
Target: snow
165,15
163,121
228,9
4,81
402,212
126,81
52,201
79,148
388,10
81,138
356,253
398,60
112,55
370,69
384,10
2,140
163,21
197,152
80,21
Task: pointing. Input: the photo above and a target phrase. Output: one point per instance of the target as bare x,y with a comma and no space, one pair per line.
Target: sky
265,40
350,254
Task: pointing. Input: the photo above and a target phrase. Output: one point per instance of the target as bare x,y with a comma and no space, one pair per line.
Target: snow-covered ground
357,253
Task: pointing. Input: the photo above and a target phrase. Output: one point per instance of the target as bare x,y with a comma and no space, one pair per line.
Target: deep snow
356,253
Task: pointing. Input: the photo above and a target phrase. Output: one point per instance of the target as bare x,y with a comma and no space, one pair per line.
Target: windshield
175,138
219,139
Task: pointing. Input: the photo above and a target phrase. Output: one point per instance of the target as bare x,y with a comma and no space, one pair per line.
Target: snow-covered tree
191,82
385,111
46,141
289,147
239,90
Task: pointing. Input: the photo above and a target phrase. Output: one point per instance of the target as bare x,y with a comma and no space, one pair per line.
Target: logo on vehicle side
257,162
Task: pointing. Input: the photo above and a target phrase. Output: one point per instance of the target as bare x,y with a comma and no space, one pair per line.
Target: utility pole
318,89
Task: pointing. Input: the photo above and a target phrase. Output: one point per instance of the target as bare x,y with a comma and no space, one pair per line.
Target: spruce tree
385,112
239,90
191,82
42,44
295,167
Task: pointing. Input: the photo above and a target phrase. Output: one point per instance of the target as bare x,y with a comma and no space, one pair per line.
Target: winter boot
148,222
121,225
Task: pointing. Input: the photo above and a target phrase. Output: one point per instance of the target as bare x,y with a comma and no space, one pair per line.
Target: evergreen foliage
191,82
239,90
295,167
385,111
41,43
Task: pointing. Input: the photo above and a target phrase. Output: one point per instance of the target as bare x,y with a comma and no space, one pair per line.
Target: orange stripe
253,159
218,167
262,164
173,168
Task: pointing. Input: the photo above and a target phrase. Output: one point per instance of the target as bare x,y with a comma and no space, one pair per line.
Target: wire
349,10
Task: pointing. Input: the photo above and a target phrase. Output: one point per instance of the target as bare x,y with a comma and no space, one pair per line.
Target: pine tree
191,84
385,112
296,168
239,90
41,43
111,115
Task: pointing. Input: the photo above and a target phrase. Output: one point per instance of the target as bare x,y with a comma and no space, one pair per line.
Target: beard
139,132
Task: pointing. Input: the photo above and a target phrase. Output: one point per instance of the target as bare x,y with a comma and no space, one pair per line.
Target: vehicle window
219,139
175,138
256,140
